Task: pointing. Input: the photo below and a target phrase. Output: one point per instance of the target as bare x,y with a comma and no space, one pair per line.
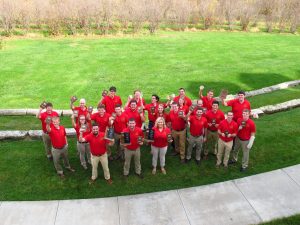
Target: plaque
192,107
204,110
90,109
130,96
140,139
213,122
169,137
73,99
151,135
226,133
110,133
48,119
201,87
114,115
140,110
126,136
75,113
180,113
152,110
43,105
150,125
83,127
243,123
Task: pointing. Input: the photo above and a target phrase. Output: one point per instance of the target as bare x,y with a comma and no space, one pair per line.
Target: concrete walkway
248,200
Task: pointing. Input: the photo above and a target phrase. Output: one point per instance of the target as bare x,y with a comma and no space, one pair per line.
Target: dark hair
199,108
210,90
175,103
94,124
246,110
112,88
216,102
131,119
49,104
241,92
133,101
101,106
181,89
118,105
156,96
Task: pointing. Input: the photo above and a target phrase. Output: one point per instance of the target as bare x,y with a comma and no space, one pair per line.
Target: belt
212,130
117,133
59,148
201,135
179,130
83,142
243,139
99,155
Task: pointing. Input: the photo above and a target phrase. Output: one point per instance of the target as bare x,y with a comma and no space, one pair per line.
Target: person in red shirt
101,118
214,117
159,145
137,96
79,110
152,110
227,130
111,100
199,104
208,99
58,137
178,124
42,116
238,105
182,106
187,100
119,123
135,112
161,112
82,147
133,149
98,145
198,134
245,139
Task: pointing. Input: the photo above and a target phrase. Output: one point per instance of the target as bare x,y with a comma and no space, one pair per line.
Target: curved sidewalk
248,200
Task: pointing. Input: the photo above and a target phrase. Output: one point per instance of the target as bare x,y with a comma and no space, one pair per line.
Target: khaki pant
161,152
47,144
57,153
119,147
211,144
137,162
224,148
104,163
84,150
197,142
241,144
179,140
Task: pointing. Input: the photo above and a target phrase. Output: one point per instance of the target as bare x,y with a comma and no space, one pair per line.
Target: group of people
179,121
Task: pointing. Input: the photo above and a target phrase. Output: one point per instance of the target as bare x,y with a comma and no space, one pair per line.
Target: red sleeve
230,102
141,133
253,127
87,137
205,124
93,116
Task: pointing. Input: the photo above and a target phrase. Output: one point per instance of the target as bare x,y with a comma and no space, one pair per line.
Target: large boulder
13,112
14,134
281,106
33,134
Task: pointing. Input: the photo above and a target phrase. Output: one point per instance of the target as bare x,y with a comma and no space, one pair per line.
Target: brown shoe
163,171
71,169
92,181
109,181
62,176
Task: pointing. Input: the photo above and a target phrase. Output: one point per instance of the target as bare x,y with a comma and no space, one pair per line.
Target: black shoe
182,161
231,161
198,162
174,153
243,169
188,160
141,176
50,158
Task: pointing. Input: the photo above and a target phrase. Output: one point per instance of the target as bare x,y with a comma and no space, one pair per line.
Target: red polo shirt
81,111
101,120
177,122
160,137
184,108
110,103
245,133
120,123
58,136
207,103
197,125
97,143
43,117
151,116
163,115
218,116
231,127
187,100
77,128
237,108
134,114
134,134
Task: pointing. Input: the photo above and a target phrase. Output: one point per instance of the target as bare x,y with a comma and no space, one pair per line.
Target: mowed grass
292,220
55,69
25,174
31,123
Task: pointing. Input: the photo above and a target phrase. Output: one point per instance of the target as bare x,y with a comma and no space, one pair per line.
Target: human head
82,102
181,91
49,107
174,106
160,108
246,114
118,109
137,94
55,121
133,104
160,122
241,96
199,111
229,116
101,109
210,93
82,119
199,102
131,123
95,129
215,105
181,101
112,91
154,98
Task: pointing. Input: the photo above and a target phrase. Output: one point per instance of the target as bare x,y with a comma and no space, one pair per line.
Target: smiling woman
33,70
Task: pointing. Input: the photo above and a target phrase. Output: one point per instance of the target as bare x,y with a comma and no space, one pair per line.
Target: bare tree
229,10
207,11
8,15
247,10
155,12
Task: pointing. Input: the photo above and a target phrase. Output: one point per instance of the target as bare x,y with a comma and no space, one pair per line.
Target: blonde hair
158,120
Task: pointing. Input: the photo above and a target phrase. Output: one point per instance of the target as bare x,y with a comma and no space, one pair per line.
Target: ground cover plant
292,220
54,69
27,175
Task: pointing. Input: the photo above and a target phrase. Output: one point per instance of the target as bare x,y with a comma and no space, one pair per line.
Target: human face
101,111
133,105
82,103
229,116
200,103
153,100
199,113
215,107
82,120
245,115
112,93
95,130
160,109
180,101
160,124
137,95
49,109
175,107
118,110
210,94
131,125
241,97
56,122
181,92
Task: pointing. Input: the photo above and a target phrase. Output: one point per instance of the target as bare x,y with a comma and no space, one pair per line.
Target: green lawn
25,174
292,220
54,69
